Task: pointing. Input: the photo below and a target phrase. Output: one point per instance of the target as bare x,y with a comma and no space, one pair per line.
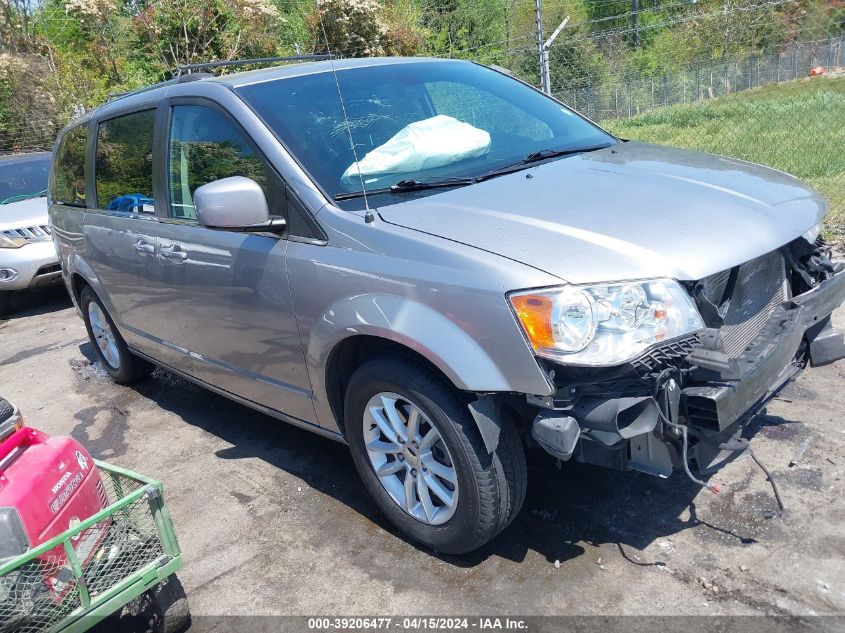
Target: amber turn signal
535,315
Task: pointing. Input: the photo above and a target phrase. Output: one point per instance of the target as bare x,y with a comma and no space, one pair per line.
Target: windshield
421,121
23,179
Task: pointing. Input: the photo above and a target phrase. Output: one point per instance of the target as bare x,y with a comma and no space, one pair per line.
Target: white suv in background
27,256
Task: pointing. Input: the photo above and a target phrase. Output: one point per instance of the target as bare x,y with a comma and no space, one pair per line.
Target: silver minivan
444,268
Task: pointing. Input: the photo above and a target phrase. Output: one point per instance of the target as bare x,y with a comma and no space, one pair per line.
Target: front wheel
121,364
421,457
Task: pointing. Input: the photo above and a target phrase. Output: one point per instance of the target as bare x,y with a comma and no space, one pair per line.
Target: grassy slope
798,127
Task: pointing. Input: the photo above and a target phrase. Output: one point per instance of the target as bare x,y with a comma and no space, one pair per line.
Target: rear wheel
121,364
419,453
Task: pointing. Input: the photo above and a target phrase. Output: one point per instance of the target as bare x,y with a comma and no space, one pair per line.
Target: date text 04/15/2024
418,623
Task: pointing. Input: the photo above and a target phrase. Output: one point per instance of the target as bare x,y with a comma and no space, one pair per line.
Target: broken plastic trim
736,446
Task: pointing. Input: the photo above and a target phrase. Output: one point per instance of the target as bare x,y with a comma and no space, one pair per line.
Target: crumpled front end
683,405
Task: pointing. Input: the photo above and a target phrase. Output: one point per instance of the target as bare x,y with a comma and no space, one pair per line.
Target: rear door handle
174,251
145,247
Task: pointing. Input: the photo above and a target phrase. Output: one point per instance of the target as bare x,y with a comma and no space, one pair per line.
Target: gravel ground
273,520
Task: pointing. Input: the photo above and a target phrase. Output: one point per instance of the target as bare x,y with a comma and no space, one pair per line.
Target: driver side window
205,146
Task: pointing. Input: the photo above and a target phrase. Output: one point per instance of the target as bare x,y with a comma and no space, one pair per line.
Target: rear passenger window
124,167
205,146
68,186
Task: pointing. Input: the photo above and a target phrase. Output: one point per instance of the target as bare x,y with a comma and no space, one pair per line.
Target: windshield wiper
539,155
409,184
23,196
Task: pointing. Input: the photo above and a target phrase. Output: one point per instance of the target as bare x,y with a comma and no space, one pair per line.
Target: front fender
414,325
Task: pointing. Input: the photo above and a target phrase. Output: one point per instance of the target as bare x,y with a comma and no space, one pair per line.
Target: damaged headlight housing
604,324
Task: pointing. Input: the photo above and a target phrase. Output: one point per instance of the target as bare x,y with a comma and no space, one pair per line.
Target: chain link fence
762,81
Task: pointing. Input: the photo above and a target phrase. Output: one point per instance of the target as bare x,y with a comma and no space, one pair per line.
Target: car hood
628,212
22,214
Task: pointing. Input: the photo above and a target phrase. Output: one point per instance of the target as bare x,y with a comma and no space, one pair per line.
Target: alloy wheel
410,458
103,335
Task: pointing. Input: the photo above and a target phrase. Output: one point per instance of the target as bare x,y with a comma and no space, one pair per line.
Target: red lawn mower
79,539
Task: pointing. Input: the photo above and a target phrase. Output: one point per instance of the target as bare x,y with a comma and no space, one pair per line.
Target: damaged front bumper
631,418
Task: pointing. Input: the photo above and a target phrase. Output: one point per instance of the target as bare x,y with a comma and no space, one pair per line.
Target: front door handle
174,251
145,247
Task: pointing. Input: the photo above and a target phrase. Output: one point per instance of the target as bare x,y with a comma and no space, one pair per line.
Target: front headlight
604,324
11,242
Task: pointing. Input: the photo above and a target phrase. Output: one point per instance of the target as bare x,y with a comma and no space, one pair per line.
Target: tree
29,114
364,28
176,32
351,28
17,26
476,29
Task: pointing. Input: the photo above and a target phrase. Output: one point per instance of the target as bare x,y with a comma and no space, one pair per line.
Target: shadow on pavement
576,503
38,302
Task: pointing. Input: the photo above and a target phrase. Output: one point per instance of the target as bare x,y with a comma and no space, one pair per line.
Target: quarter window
205,146
124,168
68,185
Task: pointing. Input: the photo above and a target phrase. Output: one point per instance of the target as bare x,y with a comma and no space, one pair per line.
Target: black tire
130,368
491,486
5,302
6,410
172,604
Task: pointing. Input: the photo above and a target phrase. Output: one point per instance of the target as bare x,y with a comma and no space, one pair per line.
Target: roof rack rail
180,71
179,79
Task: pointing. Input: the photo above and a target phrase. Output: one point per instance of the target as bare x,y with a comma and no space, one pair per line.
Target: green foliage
29,114
124,157
211,160
352,28
175,32
364,28
294,29
475,29
69,176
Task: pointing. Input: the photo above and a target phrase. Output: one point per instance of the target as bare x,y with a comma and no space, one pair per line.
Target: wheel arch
77,283
353,330
81,274
354,351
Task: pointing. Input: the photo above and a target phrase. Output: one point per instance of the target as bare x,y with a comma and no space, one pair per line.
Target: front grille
760,287
665,355
38,233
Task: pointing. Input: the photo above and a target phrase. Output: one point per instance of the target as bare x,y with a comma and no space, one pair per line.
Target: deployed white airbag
432,142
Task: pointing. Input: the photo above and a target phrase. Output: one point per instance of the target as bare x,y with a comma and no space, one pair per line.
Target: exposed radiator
760,286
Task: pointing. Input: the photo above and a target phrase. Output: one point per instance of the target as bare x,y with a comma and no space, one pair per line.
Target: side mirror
235,204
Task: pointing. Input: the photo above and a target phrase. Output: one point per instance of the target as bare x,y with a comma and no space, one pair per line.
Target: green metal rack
75,580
